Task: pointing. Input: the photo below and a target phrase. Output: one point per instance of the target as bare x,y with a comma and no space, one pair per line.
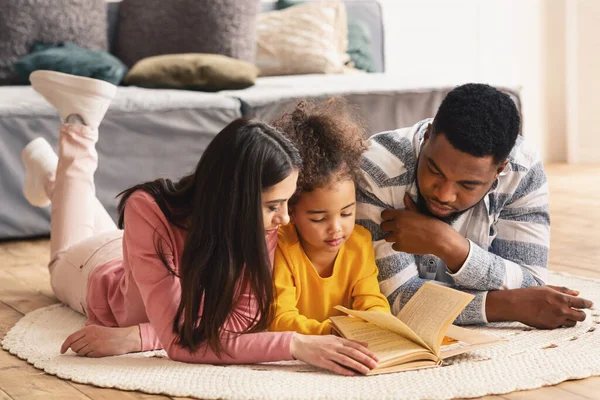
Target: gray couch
162,133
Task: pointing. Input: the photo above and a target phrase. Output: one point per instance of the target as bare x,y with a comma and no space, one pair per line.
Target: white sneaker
40,161
71,94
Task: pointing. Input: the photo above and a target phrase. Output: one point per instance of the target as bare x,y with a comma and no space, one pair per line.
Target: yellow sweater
304,300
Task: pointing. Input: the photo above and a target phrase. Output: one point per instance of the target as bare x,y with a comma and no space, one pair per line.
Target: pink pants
82,234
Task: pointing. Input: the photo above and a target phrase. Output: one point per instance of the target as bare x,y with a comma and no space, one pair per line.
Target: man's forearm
452,248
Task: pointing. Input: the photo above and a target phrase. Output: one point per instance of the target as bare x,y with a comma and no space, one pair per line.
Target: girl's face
275,202
325,217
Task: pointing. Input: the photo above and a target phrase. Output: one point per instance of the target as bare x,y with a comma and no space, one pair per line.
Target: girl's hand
101,341
342,356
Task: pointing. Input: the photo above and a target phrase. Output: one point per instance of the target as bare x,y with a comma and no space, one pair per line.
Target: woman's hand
101,341
342,356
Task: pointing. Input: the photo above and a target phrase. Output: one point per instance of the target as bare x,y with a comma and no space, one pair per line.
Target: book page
404,367
385,343
386,321
465,340
432,310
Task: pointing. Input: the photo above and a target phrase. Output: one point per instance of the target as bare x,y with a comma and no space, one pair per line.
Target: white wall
583,83
513,43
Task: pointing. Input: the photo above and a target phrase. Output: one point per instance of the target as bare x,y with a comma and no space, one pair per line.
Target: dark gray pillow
22,22
156,27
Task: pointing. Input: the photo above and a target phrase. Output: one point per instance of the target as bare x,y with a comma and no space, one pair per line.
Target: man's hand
545,307
414,233
102,341
410,231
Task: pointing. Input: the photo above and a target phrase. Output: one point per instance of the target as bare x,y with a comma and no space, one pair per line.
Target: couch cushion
193,71
156,27
384,102
82,22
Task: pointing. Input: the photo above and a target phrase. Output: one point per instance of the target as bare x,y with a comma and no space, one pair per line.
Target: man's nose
445,193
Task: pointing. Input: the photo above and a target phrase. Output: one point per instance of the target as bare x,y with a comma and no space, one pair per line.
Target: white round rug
530,359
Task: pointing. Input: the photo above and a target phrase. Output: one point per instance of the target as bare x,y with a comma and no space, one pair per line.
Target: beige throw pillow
305,39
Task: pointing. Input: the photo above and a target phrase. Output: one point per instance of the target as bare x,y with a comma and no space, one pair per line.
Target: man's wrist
500,306
452,248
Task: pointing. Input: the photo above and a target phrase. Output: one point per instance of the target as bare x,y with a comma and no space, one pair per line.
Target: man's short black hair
480,120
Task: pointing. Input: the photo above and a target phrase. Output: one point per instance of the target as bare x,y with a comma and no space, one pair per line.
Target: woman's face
275,202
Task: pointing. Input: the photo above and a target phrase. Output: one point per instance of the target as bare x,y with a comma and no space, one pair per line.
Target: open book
422,334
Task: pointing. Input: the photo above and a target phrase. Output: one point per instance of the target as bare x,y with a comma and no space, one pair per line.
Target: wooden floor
24,287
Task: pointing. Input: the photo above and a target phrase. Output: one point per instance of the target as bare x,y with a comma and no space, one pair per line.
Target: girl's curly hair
330,138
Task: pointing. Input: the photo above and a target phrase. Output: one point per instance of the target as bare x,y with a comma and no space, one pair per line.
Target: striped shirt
508,230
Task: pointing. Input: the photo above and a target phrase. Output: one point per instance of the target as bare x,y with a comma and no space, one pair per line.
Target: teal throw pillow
71,59
359,39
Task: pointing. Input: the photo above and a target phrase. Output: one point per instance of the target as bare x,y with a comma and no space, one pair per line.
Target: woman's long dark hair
220,207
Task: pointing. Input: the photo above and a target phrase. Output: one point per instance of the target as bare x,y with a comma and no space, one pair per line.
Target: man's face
449,181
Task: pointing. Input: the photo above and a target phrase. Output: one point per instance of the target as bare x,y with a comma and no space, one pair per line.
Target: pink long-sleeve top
140,290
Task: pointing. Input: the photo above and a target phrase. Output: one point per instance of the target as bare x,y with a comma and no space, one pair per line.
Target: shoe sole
73,84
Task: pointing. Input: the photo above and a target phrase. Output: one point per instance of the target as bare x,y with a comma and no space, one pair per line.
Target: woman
191,270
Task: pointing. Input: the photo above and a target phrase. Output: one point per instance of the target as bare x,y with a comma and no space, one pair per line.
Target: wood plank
4,395
97,393
20,295
589,388
547,392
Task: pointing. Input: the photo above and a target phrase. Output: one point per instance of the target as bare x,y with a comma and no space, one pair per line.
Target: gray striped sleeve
474,312
393,265
481,271
521,252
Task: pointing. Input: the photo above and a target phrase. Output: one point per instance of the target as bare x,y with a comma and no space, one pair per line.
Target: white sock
40,162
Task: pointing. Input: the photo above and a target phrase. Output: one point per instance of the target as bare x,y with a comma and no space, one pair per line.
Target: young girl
323,259
191,271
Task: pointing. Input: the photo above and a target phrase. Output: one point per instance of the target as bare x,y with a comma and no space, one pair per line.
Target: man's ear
427,132
501,167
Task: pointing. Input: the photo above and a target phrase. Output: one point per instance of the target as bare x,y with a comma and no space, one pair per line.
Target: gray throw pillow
23,22
156,27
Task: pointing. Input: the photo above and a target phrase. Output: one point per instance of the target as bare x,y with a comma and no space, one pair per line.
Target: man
462,200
